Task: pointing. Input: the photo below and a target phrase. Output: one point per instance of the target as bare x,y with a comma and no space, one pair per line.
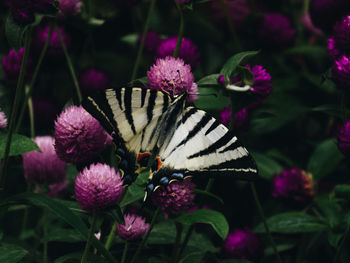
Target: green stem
70,66
175,254
45,227
15,106
33,80
341,245
144,33
110,238
125,251
88,242
261,212
144,239
31,117
181,31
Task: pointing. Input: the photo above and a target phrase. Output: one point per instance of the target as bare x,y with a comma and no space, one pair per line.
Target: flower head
175,197
172,76
343,137
293,184
70,7
276,31
44,166
241,119
262,80
23,10
243,244
79,137
152,41
3,120
333,50
98,187
91,80
341,33
11,65
188,50
341,72
134,228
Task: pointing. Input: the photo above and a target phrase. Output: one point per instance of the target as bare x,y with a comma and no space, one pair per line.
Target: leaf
342,190
334,239
246,75
267,166
211,217
233,62
210,80
63,235
14,32
330,209
130,39
211,99
20,144
163,233
10,253
331,109
280,248
76,257
325,158
292,222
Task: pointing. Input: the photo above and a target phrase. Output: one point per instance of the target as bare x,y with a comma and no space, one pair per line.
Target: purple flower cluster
91,80
11,65
241,119
3,120
343,137
134,228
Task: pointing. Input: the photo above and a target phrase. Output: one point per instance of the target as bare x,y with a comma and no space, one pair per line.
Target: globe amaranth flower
98,187
188,50
262,80
134,228
243,244
3,120
175,197
152,41
293,184
44,166
341,34
343,138
241,118
172,76
79,137
70,7
276,32
91,80
333,50
11,65
341,72
55,47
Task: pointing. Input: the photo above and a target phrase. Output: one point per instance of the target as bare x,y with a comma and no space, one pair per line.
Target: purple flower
55,48
44,166
262,80
276,31
188,50
45,111
70,7
11,65
134,228
3,120
332,48
58,189
343,137
91,80
98,187
172,76
152,41
241,119
79,137
23,10
341,33
243,244
341,72
293,184
175,197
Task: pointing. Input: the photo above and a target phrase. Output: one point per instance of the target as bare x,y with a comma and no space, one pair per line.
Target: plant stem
144,239
181,31
110,238
337,254
79,98
33,80
45,226
88,242
261,212
144,34
125,251
175,254
15,106
31,117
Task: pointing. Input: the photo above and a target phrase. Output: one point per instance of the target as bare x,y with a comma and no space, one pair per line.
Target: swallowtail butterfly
186,140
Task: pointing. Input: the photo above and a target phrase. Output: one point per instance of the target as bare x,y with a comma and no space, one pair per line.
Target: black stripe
118,95
127,112
143,96
215,124
165,103
232,146
243,162
188,114
212,148
150,106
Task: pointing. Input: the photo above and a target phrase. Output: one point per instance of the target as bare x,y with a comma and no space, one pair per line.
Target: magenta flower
262,80
341,33
11,65
341,72
70,7
241,119
243,244
3,120
91,80
44,166
333,50
188,50
152,41
293,184
175,197
98,187
172,76
79,137
343,137
134,228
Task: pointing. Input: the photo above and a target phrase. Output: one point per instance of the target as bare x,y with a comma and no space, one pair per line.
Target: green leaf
330,209
211,99
163,233
211,217
292,222
20,144
63,235
14,32
10,253
342,190
246,75
267,166
210,80
325,158
76,257
280,248
331,109
130,39
233,62
334,239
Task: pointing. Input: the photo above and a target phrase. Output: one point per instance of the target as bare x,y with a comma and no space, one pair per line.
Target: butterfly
184,140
